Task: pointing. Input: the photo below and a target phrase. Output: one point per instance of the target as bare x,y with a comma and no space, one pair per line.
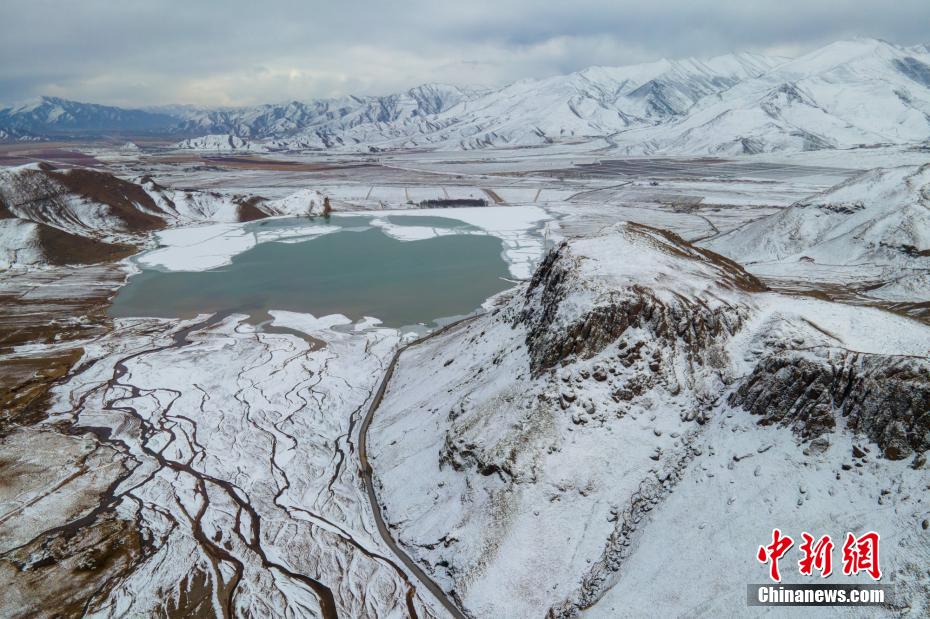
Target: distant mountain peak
856,91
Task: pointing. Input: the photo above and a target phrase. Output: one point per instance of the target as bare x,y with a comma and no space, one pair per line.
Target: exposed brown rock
684,321
248,209
885,398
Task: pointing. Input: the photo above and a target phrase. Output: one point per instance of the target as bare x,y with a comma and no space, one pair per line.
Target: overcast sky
232,52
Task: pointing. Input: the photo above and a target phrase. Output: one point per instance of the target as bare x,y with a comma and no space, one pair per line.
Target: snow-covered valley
712,348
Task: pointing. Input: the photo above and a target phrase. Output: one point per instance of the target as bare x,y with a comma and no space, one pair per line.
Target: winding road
366,472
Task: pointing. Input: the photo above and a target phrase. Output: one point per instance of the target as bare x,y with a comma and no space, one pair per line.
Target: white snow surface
878,220
516,226
535,531
205,247
848,93
19,243
272,416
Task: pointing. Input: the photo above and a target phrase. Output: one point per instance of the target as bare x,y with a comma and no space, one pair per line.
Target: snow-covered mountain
851,93
332,122
632,406
847,94
56,117
10,134
595,102
880,219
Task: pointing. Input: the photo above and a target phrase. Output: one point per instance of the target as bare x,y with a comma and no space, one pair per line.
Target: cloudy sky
232,52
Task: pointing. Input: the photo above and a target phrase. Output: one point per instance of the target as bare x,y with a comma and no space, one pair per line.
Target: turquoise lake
356,271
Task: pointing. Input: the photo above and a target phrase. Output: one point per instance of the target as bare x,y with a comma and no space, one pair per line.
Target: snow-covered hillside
81,201
596,102
591,434
54,116
880,218
50,215
327,122
851,93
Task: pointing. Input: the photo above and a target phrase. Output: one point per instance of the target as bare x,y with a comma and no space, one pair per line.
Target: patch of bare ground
61,573
61,248
55,307
494,196
194,600
262,163
121,196
61,154
25,385
5,210
60,553
248,209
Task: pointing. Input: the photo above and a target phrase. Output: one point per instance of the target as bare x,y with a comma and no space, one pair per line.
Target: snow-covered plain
241,450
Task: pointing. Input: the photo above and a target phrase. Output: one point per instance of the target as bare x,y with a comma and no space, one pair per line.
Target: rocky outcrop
886,398
592,416
695,323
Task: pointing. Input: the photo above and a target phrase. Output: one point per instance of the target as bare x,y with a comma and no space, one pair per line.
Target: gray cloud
238,52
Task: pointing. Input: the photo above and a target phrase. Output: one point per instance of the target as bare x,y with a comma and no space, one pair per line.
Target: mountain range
860,92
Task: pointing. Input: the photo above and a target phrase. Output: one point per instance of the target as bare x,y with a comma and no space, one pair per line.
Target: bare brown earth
56,307
4,210
59,153
262,163
49,570
248,210
255,162
57,574
61,248
121,196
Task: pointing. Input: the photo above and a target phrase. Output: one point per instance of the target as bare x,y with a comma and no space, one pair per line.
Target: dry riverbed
191,468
